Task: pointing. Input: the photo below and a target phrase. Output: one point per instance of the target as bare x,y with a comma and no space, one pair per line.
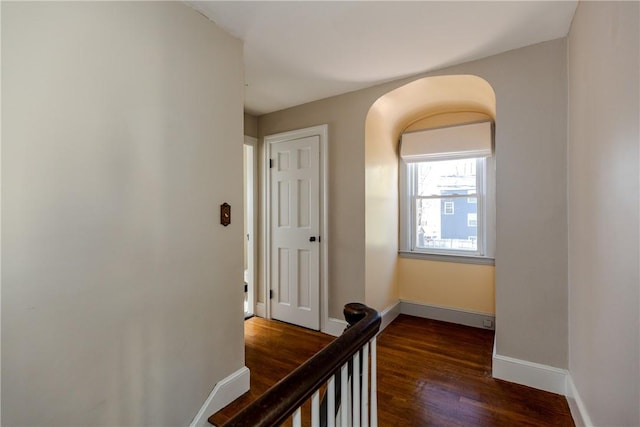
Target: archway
388,117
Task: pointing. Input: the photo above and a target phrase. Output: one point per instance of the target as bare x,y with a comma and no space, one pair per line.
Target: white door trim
323,132
252,248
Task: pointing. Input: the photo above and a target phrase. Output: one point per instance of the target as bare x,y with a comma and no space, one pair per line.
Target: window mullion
480,221
449,196
414,213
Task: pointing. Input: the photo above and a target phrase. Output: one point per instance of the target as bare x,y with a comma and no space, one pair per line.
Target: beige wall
121,136
250,125
531,241
381,208
465,287
603,183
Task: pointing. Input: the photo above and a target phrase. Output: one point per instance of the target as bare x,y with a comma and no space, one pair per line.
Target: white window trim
486,204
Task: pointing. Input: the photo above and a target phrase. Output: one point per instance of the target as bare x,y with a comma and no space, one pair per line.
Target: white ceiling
300,51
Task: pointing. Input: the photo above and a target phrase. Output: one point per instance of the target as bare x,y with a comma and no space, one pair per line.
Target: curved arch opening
424,103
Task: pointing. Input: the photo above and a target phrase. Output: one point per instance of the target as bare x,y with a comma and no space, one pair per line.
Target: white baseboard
576,405
334,326
531,374
542,377
448,314
389,315
226,391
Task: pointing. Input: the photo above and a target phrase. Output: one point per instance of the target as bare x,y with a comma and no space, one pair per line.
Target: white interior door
295,225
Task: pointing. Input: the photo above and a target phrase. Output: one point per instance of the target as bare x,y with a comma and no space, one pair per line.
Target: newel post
354,312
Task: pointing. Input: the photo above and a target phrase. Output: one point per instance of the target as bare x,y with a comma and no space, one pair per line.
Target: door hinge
270,163
270,293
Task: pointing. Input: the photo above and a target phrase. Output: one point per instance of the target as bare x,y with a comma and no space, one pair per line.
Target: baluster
315,409
365,385
355,379
297,418
344,395
350,402
331,402
374,385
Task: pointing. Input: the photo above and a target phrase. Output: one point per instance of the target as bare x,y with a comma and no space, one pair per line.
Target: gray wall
250,125
122,135
531,241
531,206
345,116
604,295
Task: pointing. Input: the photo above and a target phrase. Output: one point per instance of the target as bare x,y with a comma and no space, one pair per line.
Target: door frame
323,132
252,227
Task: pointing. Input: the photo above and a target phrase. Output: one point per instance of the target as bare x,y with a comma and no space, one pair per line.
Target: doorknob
312,239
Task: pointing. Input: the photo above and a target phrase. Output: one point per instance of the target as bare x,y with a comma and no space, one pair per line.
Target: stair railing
347,364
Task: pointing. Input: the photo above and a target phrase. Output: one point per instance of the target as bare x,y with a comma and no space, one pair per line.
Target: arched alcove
392,113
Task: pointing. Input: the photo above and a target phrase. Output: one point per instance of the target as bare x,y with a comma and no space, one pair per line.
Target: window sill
460,259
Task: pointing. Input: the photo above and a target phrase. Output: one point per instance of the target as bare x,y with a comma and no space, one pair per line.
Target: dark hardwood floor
430,373
439,374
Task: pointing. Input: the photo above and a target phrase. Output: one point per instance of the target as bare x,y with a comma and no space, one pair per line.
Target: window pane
446,177
446,223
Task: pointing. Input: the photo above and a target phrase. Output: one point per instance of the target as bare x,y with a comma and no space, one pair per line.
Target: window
443,218
448,208
447,203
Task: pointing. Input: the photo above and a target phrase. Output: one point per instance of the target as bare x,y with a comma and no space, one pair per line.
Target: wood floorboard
430,373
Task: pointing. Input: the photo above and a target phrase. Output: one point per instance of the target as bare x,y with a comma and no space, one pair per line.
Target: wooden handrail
281,400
